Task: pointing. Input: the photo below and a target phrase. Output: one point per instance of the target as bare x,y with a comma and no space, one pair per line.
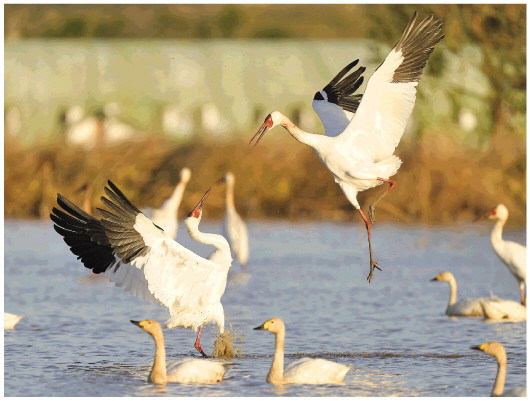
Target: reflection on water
76,336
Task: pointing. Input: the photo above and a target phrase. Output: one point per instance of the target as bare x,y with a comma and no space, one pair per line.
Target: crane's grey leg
371,208
198,343
373,263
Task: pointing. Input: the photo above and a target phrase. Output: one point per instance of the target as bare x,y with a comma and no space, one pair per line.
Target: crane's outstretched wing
336,103
155,267
388,100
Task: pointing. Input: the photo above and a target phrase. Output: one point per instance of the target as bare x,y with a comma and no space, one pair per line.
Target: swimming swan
11,320
466,307
302,371
503,309
187,370
497,350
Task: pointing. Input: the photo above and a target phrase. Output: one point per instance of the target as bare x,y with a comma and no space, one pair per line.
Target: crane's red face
267,125
488,215
198,209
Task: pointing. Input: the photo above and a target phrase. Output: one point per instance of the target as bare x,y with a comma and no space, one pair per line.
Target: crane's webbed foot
373,266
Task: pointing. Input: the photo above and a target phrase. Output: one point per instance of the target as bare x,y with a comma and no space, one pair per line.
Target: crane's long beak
485,215
267,124
197,210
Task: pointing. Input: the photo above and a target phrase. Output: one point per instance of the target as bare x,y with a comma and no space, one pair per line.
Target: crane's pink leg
373,263
198,343
371,209
523,295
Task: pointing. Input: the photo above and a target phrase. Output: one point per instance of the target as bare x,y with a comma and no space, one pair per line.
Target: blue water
76,338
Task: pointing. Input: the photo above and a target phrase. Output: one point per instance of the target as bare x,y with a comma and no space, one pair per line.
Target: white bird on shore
167,215
187,370
234,228
11,320
361,155
511,253
497,350
140,257
302,371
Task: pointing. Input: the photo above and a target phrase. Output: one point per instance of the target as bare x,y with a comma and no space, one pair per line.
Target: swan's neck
222,249
176,196
300,135
498,386
452,289
230,196
496,233
158,371
276,372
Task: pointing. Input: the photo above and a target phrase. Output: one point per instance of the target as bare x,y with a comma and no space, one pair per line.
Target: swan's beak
267,124
262,327
434,279
476,347
136,322
197,211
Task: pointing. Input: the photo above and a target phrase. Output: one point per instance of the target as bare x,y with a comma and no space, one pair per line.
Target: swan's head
492,348
271,121
149,326
444,276
274,325
185,175
499,212
196,213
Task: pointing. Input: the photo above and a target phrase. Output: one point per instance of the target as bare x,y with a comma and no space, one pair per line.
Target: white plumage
187,370
234,228
167,215
465,307
511,253
11,320
359,150
503,310
141,258
302,371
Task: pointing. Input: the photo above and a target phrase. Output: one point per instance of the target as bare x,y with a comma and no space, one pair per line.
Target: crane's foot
373,266
199,348
371,213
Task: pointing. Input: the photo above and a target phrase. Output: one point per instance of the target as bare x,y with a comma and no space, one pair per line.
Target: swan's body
188,370
234,228
503,310
511,253
140,257
466,307
358,148
302,371
497,350
11,320
167,215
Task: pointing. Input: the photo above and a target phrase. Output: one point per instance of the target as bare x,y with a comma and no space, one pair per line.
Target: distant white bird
11,320
497,350
503,310
302,371
187,370
466,307
361,155
140,257
234,228
511,253
167,215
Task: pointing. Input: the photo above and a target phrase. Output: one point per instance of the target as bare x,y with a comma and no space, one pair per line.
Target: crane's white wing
378,125
336,103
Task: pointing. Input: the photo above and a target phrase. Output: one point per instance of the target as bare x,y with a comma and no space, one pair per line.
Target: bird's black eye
318,96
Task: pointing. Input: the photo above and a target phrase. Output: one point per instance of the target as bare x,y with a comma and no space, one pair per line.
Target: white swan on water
497,350
187,370
302,371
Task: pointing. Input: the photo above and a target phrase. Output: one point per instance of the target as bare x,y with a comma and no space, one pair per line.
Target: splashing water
223,346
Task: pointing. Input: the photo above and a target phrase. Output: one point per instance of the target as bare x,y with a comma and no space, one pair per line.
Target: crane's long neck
230,196
452,289
496,233
498,386
218,241
158,371
276,372
299,134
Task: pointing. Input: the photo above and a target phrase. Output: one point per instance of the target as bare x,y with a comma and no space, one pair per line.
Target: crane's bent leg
371,208
198,343
523,295
373,263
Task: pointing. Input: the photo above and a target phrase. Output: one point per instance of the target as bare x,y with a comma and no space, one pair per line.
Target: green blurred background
169,86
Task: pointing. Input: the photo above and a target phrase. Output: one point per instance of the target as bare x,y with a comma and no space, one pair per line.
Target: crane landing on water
362,132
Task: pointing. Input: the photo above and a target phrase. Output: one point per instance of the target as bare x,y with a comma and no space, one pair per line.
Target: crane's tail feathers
390,165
